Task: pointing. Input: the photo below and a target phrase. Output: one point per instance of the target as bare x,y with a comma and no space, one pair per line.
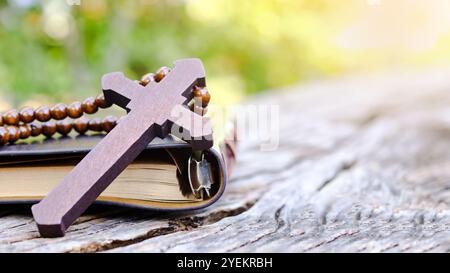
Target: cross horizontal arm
120,90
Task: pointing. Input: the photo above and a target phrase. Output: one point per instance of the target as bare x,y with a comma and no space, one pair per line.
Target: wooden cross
152,112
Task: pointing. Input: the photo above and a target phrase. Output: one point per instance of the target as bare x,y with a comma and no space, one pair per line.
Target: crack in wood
279,224
346,166
175,225
328,241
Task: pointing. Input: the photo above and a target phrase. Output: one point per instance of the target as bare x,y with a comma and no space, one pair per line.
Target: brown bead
202,95
42,113
109,123
63,127
147,78
49,128
95,125
1,120
26,114
25,131
74,110
14,134
58,111
36,128
101,102
11,117
89,106
161,73
4,136
80,125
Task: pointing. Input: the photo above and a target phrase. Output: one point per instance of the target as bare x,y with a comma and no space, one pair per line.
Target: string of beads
61,118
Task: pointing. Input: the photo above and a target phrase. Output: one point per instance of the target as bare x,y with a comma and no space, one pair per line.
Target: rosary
23,124
170,101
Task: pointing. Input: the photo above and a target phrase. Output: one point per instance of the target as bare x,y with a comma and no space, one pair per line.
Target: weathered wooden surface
363,165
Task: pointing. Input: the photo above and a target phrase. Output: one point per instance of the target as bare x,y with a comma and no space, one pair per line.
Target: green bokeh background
53,51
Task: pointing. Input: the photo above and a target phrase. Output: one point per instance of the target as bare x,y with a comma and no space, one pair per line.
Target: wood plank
363,165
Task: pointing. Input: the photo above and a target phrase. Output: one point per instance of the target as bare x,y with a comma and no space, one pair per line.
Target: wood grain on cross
152,111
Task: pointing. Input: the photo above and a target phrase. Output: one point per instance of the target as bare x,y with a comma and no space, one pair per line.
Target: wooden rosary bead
202,94
95,125
25,131
36,128
58,111
161,73
109,123
26,114
74,110
49,128
80,125
13,133
89,106
147,78
63,127
43,114
4,136
101,102
11,117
